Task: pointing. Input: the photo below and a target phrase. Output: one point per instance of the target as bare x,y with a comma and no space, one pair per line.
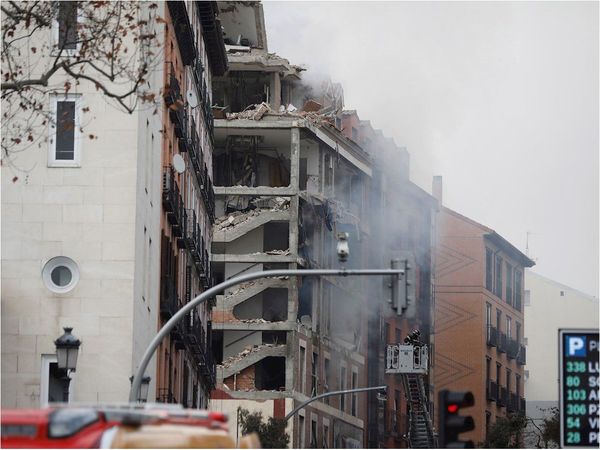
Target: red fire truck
127,426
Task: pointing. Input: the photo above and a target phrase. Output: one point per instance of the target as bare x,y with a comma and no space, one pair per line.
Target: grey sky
500,98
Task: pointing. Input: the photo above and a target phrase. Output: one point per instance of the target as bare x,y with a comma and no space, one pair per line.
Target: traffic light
398,288
451,424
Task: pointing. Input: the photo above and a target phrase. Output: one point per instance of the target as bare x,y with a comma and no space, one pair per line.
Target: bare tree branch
105,44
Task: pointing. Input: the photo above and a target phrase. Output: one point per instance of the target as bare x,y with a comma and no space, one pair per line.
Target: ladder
420,432
410,360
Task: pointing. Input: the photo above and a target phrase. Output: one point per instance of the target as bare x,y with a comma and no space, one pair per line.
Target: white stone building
549,306
81,232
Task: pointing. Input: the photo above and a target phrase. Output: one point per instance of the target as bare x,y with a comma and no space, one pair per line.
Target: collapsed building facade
286,181
402,220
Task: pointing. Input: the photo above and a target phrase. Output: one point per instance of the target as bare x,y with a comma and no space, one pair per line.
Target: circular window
60,274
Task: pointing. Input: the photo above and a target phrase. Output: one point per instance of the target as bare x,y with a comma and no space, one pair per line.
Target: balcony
191,239
173,90
517,305
521,355
503,397
198,71
172,202
205,275
492,391
165,395
169,299
512,349
196,156
178,116
502,343
208,370
513,403
208,195
183,31
492,336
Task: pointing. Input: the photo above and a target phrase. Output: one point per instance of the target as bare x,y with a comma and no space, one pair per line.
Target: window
53,384
519,332
65,136
488,369
489,269
67,25
498,319
398,336
342,387
509,284
354,405
60,274
518,288
325,434
498,269
313,433
518,385
508,327
498,374
488,320
326,378
508,373
314,374
301,431
302,369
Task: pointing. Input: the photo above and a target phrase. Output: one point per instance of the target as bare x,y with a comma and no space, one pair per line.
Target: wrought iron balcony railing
502,343
184,33
522,355
512,349
169,299
492,336
492,391
172,202
513,403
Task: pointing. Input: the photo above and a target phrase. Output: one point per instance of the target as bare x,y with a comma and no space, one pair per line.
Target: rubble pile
278,252
260,110
233,219
272,203
261,203
247,351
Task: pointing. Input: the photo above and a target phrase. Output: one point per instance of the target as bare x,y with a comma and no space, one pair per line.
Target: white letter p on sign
576,344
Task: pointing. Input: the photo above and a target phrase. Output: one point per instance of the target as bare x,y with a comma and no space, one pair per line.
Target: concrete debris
233,219
258,111
278,252
260,320
262,203
312,106
272,203
253,112
247,350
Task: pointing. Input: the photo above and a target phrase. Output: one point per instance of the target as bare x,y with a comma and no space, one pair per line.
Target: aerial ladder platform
410,360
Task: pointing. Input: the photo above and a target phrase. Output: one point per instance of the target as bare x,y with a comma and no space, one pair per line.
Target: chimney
436,188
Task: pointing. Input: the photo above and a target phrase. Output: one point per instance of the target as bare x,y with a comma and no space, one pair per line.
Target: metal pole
179,315
329,394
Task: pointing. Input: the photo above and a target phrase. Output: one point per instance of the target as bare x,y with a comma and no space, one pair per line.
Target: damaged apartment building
286,181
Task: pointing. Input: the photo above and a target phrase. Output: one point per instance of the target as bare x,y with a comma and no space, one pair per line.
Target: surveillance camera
343,249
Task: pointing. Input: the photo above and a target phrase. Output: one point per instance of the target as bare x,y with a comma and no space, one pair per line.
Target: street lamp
144,387
67,349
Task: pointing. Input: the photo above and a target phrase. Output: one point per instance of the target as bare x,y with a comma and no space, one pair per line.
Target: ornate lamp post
143,392
67,349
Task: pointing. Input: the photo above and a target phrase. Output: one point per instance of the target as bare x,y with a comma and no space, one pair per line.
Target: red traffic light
452,408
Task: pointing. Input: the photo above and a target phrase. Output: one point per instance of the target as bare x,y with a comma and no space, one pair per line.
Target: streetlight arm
329,394
179,315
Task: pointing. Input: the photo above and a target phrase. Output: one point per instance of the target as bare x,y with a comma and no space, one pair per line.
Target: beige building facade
550,306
